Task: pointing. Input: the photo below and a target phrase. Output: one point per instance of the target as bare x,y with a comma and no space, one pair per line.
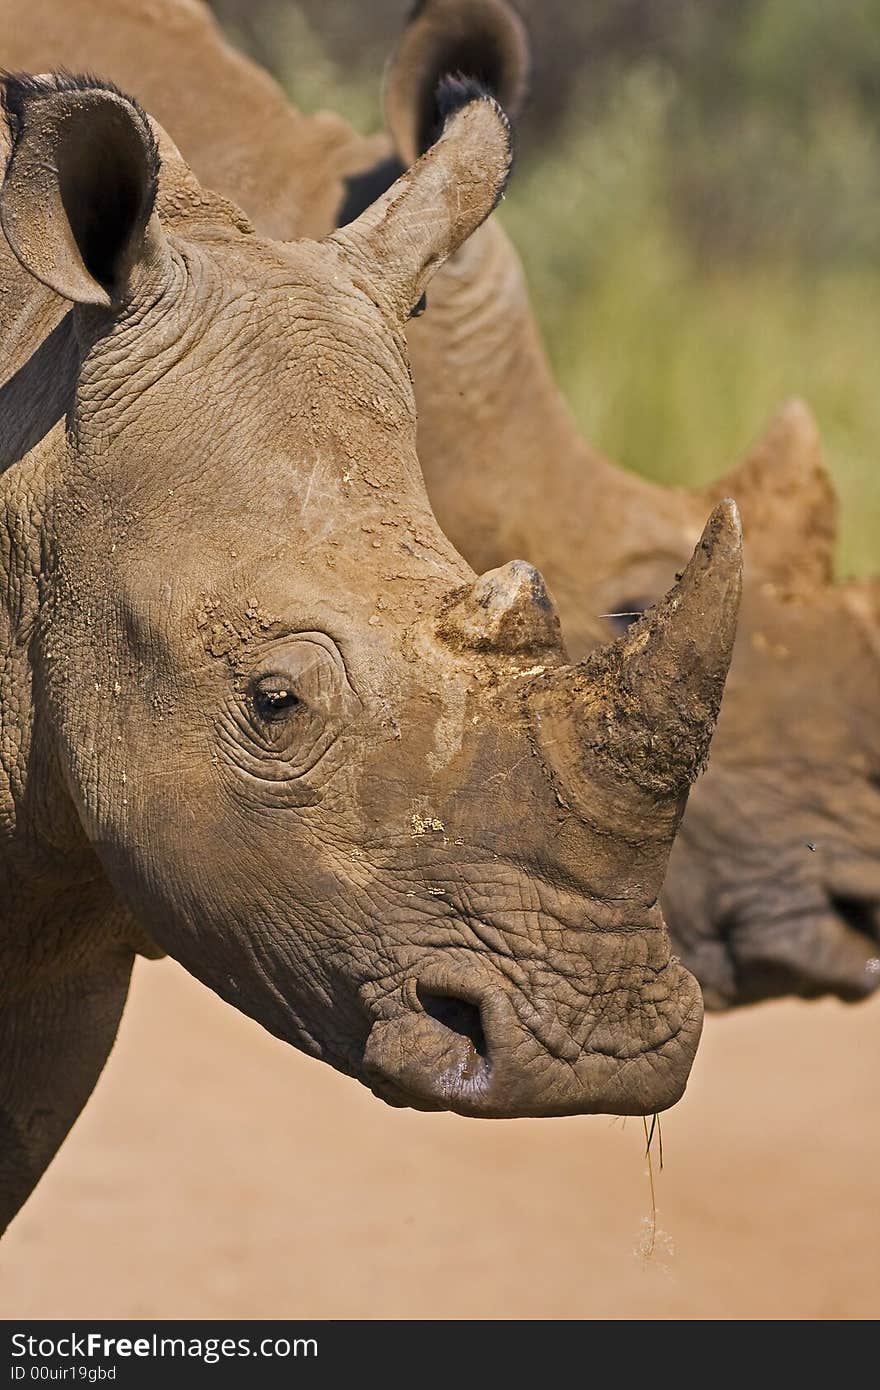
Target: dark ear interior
475,56
104,179
481,40
80,185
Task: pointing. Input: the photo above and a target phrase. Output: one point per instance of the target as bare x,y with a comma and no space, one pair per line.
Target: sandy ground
217,1174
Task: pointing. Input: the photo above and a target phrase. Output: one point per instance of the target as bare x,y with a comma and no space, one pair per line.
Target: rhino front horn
628,730
508,610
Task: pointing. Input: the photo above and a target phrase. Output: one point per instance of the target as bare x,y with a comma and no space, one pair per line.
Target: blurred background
697,202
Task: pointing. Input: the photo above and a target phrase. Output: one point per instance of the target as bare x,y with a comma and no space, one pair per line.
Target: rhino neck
43,849
507,471
38,834
29,314
56,904
490,414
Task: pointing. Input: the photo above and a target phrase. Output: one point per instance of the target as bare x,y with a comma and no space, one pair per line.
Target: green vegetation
698,208
673,359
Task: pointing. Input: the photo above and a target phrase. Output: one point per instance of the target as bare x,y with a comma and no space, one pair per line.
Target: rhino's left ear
76,205
787,500
406,235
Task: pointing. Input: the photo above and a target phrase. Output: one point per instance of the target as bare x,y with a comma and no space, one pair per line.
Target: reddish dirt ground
216,1173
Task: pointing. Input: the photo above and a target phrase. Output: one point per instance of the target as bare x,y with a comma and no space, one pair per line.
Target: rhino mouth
463,1048
832,949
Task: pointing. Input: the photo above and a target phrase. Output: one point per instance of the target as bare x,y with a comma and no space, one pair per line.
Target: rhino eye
274,699
278,721
626,613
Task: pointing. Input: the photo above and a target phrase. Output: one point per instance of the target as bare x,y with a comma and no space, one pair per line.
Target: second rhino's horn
787,500
638,715
507,611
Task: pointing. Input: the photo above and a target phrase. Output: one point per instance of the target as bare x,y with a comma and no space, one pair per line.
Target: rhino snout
463,1046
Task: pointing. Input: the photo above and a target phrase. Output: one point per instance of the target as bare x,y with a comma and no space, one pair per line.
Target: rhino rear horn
787,500
397,244
507,611
76,205
482,40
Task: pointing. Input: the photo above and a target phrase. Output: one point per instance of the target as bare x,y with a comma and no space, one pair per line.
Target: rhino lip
831,949
463,1079
383,1088
448,1052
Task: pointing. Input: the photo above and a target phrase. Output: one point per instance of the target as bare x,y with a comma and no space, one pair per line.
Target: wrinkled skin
257,712
796,760
752,910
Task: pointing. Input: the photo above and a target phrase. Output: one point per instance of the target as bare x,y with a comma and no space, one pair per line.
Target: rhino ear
77,202
397,244
482,40
787,500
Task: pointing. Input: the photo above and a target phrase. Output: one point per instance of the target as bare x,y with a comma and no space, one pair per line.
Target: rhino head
355,789
774,883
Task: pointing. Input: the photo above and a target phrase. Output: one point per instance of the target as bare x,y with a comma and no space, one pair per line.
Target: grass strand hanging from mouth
649,1136
655,1125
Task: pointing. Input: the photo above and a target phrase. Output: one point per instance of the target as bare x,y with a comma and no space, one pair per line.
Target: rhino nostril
458,1015
859,913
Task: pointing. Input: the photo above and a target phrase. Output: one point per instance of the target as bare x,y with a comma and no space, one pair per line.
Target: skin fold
753,910
256,711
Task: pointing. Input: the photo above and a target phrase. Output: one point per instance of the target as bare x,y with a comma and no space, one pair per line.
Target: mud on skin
257,712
